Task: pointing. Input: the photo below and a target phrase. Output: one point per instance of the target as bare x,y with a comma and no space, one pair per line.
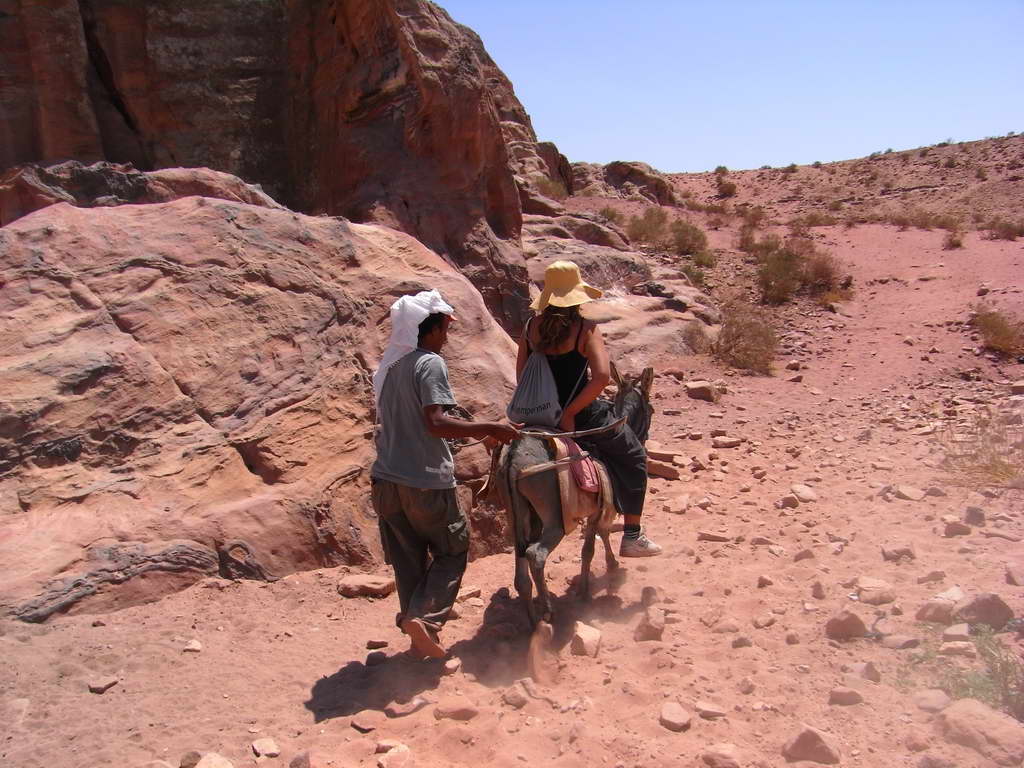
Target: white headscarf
406,315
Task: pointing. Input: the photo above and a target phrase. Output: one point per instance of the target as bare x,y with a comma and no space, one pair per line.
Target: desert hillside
196,276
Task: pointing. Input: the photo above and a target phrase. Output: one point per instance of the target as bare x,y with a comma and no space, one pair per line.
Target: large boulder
992,734
186,391
625,180
384,112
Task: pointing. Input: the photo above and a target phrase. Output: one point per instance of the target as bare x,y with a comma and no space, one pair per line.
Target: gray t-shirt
406,453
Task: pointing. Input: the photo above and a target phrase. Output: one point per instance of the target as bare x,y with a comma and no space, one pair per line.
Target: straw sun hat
564,287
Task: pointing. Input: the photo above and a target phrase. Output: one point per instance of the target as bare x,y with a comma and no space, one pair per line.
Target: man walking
413,477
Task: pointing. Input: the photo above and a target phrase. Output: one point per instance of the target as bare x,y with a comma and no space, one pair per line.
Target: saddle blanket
585,488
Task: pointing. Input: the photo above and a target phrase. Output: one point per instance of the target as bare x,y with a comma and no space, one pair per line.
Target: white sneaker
638,547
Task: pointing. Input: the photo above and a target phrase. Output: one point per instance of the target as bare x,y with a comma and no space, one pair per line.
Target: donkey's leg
609,554
587,555
537,554
524,587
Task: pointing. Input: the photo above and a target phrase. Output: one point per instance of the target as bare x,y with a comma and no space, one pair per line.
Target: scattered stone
586,640
763,622
394,709
789,501
102,684
845,697
265,748
742,642
376,658
399,756
726,442
803,493
702,390
896,553
908,493
810,744
515,698
651,596
190,759
709,710
874,591
974,516
818,591
939,609
803,554
746,685
985,608
992,734
796,378
726,626
846,626
881,465
932,700
931,576
307,760
721,756
900,642
372,645
213,760
651,625
674,717
1015,574
455,708
193,646
867,671
366,585
958,633
386,745
793,365
710,536
764,581
917,741
965,649
955,527
1017,387
792,638
662,469
452,666
368,720
934,761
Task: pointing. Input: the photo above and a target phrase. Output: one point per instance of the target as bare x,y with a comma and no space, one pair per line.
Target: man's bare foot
423,640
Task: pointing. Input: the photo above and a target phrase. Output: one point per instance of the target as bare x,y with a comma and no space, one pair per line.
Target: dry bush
694,274
822,273
999,332
953,240
611,214
649,227
986,450
835,205
687,238
814,219
550,188
747,340
696,338
726,188
753,216
791,168
1001,229
779,276
706,259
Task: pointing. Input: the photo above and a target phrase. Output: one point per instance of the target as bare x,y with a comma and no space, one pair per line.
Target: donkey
534,503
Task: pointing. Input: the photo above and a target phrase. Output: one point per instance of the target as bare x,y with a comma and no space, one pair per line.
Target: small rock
742,642
102,684
726,442
965,649
803,493
908,493
958,633
702,390
932,700
651,625
373,645
803,554
213,760
985,608
394,709
452,666
709,710
674,717
265,748
974,516
874,591
789,501
810,744
376,658
190,759
651,596
586,640
368,720
900,642
514,698
931,576
956,528
455,708
711,536
746,685
399,756
307,759
846,626
935,761
764,581
818,591
866,670
1015,574
897,553
194,646
992,734
366,585
939,609
917,741
845,697
792,638
721,756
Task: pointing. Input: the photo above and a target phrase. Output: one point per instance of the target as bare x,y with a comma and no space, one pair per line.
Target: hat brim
578,294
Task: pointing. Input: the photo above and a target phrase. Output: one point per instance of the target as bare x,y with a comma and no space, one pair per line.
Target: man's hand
504,433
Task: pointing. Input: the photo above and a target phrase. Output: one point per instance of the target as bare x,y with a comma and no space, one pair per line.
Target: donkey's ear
646,380
615,375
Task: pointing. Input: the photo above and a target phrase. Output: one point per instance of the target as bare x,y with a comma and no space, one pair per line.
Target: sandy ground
289,660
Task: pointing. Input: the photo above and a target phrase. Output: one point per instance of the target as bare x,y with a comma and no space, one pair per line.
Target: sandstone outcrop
385,111
626,180
187,393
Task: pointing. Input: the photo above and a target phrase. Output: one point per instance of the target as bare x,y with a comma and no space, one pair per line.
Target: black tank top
569,370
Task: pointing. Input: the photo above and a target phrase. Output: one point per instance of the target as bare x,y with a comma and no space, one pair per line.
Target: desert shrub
816,164
984,451
753,215
611,214
1000,333
835,205
759,249
705,258
814,219
747,340
694,274
950,163
649,227
551,188
687,238
1001,229
980,174
791,168
822,273
954,239
721,170
696,338
726,188
779,276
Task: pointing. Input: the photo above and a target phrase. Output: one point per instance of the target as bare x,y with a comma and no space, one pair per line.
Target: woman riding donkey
574,349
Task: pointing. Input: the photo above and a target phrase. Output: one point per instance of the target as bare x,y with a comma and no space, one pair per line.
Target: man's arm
440,424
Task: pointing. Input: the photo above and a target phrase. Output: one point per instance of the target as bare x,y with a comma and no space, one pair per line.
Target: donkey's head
633,400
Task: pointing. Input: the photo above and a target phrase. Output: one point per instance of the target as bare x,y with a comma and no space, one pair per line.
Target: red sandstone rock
188,383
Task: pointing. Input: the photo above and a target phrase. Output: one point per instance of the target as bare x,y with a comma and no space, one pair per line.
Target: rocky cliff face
186,391
378,110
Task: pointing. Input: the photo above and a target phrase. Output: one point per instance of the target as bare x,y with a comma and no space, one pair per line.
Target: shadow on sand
495,656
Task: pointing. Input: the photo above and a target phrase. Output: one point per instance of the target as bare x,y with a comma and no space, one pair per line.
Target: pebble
845,697
845,626
932,700
810,744
651,625
965,649
803,493
721,756
586,640
908,493
709,710
102,684
451,666
265,748
455,708
674,717
366,585
193,646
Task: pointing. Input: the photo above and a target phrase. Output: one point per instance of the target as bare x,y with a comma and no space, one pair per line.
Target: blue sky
687,86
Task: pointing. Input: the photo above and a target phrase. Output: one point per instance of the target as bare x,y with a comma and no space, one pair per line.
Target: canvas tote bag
535,401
